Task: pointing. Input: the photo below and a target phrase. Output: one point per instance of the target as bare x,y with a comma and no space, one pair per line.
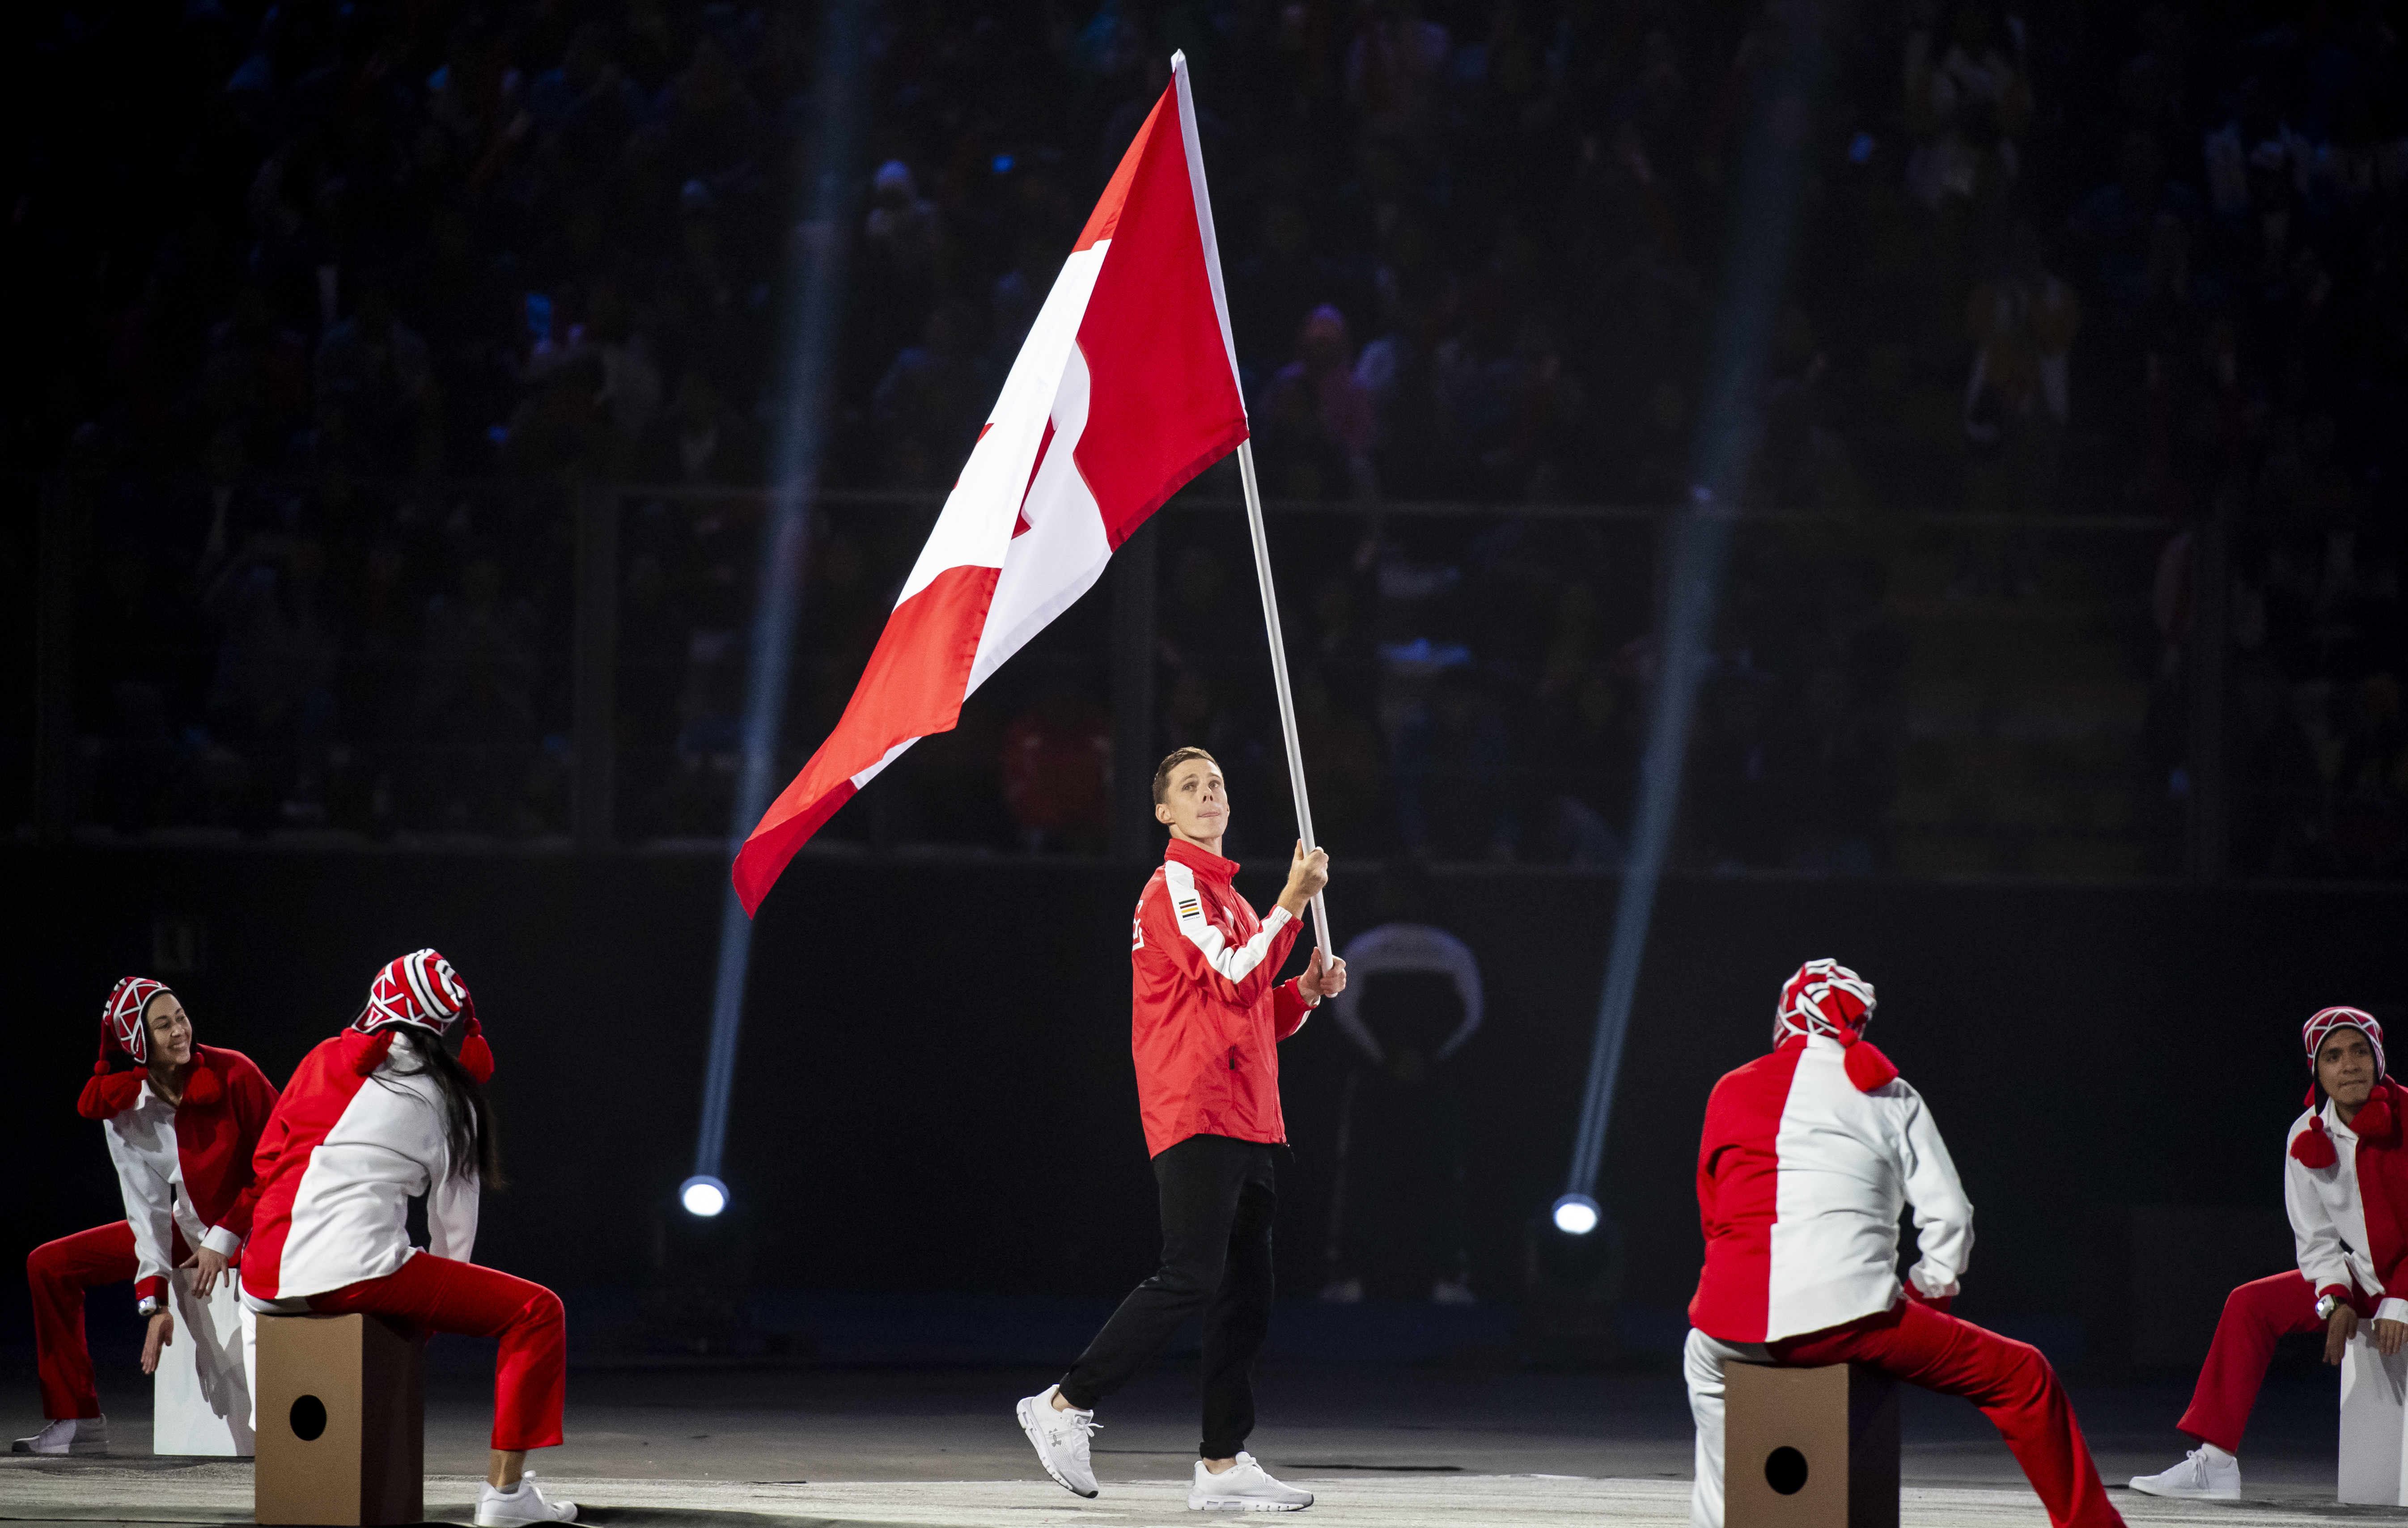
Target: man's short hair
1178,756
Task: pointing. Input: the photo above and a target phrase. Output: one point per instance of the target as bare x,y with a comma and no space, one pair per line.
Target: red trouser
2253,1316
2009,1380
438,1294
58,1272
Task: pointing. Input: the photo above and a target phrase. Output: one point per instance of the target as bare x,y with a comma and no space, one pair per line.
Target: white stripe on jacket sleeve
1234,962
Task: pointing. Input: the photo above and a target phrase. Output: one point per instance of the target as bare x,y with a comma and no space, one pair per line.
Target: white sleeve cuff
1930,1284
2392,1309
222,1242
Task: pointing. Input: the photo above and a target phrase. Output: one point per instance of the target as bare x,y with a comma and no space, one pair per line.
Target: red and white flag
1126,390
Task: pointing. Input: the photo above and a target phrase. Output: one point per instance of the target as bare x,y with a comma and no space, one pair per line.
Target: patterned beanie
1826,998
421,988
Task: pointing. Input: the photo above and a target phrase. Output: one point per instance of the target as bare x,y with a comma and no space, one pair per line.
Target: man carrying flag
1205,1027
1124,389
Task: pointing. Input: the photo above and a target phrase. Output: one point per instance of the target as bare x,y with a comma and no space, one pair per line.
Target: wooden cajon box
1809,1448
2373,1424
342,1414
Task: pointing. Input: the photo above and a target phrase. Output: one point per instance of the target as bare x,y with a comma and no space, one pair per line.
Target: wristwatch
149,1305
2326,1306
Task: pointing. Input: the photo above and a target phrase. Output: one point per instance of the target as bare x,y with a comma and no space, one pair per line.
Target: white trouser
1701,1363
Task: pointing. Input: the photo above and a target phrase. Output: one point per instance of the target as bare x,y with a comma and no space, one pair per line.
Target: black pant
1218,1195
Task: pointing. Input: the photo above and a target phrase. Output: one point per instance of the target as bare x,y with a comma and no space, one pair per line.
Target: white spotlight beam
815,320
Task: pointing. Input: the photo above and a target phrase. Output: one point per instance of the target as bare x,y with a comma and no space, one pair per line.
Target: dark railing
503,662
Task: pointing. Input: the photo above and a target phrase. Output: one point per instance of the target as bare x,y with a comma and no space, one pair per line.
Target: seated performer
2340,1160
1205,1031
1825,1133
177,1115
376,1117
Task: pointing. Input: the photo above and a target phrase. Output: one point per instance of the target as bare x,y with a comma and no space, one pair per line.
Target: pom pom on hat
1868,1068
201,1085
476,1056
106,1097
2376,1120
2312,1147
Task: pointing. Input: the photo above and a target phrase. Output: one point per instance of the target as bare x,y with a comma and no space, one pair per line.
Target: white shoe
1453,1292
1060,1435
68,1436
1244,1487
2200,1476
497,1508
1342,1292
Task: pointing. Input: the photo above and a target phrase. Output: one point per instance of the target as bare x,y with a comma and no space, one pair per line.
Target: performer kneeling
176,1114
376,1117
1205,1030
2338,1159
1825,1133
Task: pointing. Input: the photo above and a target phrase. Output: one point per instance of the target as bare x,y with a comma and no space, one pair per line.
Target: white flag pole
1279,679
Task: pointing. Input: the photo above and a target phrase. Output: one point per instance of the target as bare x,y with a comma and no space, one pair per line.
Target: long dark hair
467,1118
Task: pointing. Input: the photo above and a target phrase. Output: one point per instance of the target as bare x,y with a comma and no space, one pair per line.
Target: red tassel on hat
2312,1148
106,1097
1868,1068
201,1085
476,1056
2375,1117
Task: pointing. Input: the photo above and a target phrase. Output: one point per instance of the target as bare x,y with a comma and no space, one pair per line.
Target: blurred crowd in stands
332,309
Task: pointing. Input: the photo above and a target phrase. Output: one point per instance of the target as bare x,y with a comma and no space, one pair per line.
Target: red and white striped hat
421,988
2325,1020
121,1022
1824,998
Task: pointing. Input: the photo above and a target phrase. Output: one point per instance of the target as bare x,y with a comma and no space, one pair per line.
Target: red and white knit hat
1826,998
122,1024
2325,1020
2314,1146
421,988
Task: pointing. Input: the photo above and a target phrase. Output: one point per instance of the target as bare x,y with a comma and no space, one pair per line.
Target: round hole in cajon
1784,1471
309,1417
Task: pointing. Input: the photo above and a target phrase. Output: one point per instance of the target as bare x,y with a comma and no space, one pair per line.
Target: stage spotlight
705,1196
1575,1215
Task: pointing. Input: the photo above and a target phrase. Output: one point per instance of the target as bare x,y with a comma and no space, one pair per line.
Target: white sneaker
1342,1292
68,1436
1060,1435
497,1508
2200,1476
1453,1292
1244,1487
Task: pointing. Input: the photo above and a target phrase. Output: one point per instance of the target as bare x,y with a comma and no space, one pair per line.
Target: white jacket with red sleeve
1206,1010
1803,1171
355,1137
2349,1218
184,1169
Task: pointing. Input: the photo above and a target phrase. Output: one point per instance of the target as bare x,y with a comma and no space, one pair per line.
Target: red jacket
1205,1018
225,1106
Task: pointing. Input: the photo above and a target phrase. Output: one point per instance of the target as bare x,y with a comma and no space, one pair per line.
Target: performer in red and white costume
1208,1011
2346,1184
181,1120
379,1115
1809,1155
